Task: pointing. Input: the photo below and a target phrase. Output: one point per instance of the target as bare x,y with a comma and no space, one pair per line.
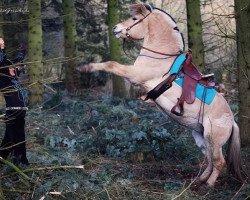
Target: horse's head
157,26
135,26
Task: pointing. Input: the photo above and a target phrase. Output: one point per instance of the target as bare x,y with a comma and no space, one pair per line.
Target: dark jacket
4,62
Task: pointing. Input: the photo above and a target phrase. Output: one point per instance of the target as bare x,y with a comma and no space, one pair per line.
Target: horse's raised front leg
126,71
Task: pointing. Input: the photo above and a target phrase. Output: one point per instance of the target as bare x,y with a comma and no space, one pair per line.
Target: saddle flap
191,70
188,89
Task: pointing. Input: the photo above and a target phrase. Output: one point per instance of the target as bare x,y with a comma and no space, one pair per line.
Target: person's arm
21,52
1,56
19,57
2,52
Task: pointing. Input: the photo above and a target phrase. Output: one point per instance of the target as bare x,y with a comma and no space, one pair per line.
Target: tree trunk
119,88
69,21
242,11
194,25
35,51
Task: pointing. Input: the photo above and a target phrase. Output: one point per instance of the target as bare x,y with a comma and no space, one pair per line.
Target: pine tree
70,36
242,11
119,88
194,24
35,69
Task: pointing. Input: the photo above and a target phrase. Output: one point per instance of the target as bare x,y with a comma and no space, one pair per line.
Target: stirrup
208,75
178,105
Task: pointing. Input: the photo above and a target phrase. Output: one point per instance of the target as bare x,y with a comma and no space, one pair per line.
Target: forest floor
98,147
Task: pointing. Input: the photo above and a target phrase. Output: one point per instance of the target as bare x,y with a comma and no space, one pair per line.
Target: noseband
134,39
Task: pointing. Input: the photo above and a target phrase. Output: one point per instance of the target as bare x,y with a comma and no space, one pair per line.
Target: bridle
151,50
138,22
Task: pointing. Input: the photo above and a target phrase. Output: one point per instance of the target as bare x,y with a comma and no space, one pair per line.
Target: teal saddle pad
205,94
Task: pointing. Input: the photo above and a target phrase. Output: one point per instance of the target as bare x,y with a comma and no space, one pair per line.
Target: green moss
35,51
70,47
119,88
194,24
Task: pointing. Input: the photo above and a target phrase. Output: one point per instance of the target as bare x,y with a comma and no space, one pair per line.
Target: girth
191,77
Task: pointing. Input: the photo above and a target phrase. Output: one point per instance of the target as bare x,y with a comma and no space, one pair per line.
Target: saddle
191,77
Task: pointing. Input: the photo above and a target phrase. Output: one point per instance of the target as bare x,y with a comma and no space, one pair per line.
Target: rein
142,47
164,54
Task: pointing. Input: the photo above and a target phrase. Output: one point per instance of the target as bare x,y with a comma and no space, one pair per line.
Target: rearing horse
162,43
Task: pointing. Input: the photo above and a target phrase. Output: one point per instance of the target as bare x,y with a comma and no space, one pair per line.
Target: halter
153,51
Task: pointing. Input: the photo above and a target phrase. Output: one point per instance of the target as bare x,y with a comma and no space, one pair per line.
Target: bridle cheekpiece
138,22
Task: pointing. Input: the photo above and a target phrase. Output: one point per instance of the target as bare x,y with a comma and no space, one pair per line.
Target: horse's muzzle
116,32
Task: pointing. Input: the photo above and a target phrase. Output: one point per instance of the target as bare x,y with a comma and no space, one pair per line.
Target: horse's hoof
195,185
86,68
204,189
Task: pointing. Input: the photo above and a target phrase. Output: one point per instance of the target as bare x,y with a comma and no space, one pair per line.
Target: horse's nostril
114,28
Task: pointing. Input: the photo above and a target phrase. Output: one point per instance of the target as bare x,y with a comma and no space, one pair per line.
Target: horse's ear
148,7
136,9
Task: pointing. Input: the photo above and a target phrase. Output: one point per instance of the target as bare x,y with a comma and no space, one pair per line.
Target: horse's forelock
137,9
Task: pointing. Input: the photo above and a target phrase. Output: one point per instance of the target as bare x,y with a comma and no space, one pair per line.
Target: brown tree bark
242,14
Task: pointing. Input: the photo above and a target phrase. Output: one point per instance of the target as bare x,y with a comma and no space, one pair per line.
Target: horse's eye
134,18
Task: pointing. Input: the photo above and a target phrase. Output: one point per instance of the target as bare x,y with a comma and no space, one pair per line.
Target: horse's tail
233,159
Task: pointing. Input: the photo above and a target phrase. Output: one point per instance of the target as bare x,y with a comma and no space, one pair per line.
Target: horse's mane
176,28
165,13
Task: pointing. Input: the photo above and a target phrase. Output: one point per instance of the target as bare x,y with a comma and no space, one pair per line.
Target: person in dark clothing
13,142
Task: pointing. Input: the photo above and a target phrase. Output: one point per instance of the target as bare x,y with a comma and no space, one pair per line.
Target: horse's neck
161,38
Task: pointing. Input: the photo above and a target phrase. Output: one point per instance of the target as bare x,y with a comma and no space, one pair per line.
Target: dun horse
162,45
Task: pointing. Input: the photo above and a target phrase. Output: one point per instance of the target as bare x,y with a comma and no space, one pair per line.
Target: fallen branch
46,168
18,191
15,168
235,195
30,140
52,193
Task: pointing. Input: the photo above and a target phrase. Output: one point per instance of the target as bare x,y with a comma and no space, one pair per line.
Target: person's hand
2,43
12,71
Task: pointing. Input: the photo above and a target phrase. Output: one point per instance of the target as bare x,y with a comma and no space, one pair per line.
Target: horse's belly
189,119
169,99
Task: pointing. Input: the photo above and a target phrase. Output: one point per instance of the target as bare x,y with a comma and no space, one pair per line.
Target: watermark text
14,10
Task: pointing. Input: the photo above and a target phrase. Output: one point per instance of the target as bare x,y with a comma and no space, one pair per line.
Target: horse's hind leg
218,164
217,135
207,172
203,144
